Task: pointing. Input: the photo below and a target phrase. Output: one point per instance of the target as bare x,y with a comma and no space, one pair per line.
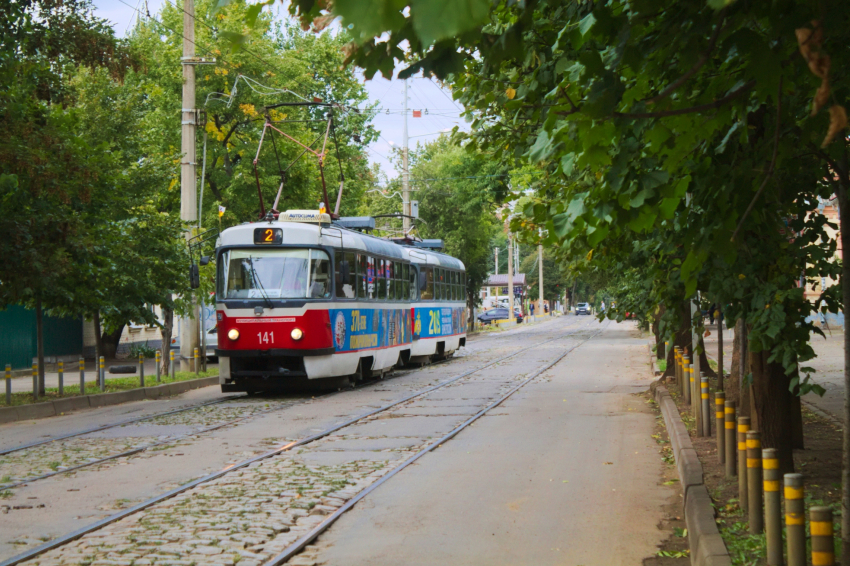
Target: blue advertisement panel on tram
439,321
362,329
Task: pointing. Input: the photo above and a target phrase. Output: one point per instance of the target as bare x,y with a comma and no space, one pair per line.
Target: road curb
70,404
706,546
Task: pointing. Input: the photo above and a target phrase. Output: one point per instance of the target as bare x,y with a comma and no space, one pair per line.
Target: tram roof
336,236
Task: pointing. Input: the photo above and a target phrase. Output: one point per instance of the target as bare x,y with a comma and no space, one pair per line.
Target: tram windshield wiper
259,283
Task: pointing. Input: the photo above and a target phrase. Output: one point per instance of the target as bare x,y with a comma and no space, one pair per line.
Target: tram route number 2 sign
268,236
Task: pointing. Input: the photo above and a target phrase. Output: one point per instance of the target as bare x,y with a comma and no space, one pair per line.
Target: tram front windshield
275,274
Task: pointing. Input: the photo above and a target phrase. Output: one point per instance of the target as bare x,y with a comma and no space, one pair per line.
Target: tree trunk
796,417
39,330
167,330
703,360
845,296
682,339
110,340
98,340
773,406
660,352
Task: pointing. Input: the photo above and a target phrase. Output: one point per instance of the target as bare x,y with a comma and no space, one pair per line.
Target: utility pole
497,260
405,171
510,279
189,338
540,308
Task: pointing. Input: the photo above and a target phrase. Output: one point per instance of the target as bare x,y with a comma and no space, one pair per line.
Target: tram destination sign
268,236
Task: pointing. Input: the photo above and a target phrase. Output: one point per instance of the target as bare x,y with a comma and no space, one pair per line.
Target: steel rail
64,539
302,542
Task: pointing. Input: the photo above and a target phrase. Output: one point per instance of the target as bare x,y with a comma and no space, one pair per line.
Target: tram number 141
265,337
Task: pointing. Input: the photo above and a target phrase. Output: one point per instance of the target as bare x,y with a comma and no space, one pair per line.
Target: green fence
18,344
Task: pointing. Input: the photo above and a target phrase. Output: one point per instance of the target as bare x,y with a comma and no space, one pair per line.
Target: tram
299,296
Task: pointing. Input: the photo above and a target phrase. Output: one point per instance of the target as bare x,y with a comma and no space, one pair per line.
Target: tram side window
455,288
405,282
390,275
414,284
381,288
428,293
345,275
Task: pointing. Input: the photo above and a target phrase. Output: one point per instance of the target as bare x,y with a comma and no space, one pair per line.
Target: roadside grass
661,365
72,386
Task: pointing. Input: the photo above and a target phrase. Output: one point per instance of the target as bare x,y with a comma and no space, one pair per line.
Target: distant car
489,316
583,308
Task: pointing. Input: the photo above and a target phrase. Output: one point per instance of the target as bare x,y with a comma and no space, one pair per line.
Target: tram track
58,542
172,439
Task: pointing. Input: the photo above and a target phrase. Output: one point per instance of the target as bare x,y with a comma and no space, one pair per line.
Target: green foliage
137,350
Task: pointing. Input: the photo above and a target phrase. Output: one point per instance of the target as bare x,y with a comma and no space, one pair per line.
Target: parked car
212,343
583,308
489,316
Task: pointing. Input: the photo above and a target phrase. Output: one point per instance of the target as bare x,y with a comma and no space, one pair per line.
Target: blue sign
363,329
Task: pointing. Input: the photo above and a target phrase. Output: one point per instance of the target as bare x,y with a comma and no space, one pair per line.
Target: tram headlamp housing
233,334
296,334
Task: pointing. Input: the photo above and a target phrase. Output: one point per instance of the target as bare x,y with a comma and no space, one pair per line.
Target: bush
142,349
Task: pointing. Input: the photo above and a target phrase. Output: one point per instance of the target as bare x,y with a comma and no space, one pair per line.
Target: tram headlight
233,334
296,334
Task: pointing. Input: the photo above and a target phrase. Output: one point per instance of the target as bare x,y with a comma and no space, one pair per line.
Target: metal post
795,520
171,365
706,405
82,376
61,370
743,429
405,171
686,377
158,369
729,438
197,366
141,370
754,482
35,382
8,381
510,279
823,546
102,373
772,507
720,425
719,318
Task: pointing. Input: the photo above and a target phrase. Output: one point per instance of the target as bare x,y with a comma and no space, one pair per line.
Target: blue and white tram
300,297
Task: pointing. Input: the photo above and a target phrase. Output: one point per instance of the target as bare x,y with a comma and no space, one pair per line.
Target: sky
423,93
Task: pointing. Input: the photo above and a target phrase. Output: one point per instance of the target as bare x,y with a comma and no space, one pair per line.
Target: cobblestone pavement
159,433
251,514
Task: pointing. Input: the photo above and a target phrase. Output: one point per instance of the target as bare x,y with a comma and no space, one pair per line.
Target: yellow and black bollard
82,376
754,482
729,440
171,363
772,506
141,370
795,520
197,362
677,357
743,429
705,406
823,545
686,377
8,384
61,369
720,425
102,374
158,359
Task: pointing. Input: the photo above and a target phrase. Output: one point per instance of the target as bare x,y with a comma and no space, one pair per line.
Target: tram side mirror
205,260
345,270
194,276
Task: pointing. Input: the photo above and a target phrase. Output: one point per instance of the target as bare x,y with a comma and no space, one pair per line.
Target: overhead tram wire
218,57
